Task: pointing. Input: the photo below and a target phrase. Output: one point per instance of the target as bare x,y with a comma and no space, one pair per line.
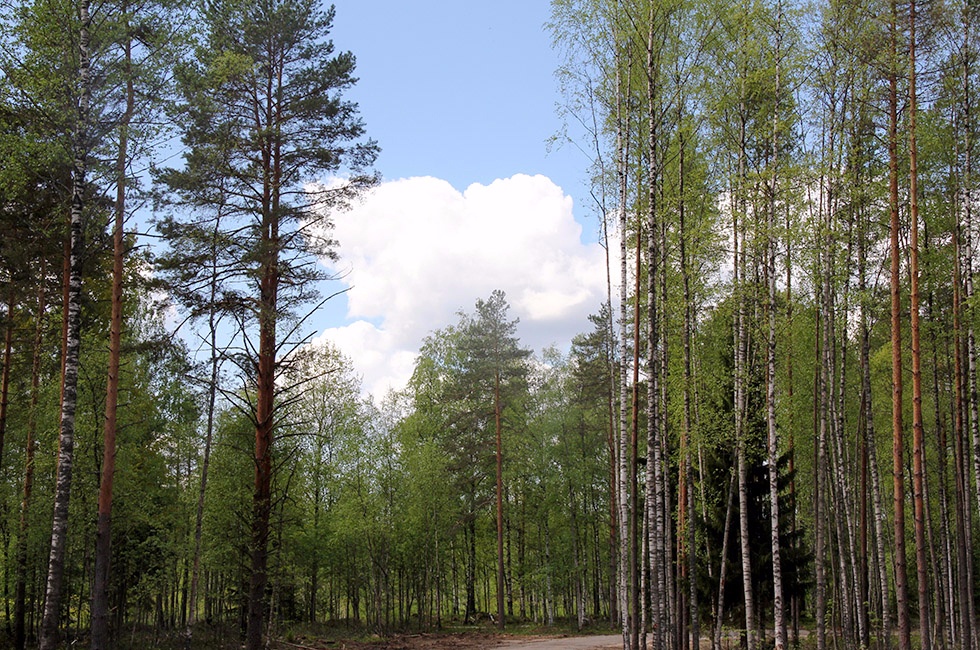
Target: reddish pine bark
103,531
901,575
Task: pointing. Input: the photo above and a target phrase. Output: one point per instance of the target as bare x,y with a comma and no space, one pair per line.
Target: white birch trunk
66,439
624,353
779,619
740,400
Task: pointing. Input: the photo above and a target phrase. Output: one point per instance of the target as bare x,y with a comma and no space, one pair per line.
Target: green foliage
230,123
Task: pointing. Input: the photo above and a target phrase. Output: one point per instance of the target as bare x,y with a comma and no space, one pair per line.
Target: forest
768,436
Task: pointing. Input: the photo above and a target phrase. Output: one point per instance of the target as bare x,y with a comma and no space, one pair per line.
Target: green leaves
228,67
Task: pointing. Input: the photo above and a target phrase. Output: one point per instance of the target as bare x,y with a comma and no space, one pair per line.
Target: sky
462,98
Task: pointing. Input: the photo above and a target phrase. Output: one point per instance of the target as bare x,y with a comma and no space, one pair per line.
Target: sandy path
604,642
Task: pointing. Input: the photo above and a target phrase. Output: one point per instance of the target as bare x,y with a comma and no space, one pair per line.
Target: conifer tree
497,363
263,115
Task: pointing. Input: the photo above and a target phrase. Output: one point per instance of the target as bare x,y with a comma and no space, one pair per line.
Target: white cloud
417,251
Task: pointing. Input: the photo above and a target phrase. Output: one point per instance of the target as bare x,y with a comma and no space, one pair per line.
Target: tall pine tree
263,116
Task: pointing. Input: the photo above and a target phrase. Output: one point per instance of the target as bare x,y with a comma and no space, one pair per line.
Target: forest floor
460,641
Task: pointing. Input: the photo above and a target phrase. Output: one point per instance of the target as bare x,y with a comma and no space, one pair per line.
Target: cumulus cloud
417,251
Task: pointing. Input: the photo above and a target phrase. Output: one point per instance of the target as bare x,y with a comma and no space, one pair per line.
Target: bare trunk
865,419
8,345
870,441
624,497
59,528
880,520
946,625
265,402
743,494
103,543
966,385
918,449
971,346
654,540
779,620
610,352
687,485
209,433
898,445
261,500
664,503
723,571
500,501
624,470
794,597
852,621
960,474
611,441
635,519
824,362
773,458
578,581
20,591
655,565
741,342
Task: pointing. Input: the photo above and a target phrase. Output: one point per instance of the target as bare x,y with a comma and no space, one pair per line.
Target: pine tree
497,363
263,114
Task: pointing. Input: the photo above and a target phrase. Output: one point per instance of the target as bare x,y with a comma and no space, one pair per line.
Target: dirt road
465,641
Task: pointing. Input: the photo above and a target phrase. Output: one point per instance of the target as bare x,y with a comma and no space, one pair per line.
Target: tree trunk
967,393
613,464
687,485
960,473
946,625
20,591
898,445
208,435
266,364
8,345
918,449
741,343
264,433
66,438
103,543
470,568
577,579
971,346
723,571
841,494
500,502
622,145
655,565
870,439
743,493
635,526
779,620
824,362
664,505
791,443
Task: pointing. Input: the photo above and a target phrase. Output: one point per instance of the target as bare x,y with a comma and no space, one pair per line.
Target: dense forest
769,435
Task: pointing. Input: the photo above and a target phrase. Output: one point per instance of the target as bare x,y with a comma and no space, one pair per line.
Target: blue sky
462,98
460,90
